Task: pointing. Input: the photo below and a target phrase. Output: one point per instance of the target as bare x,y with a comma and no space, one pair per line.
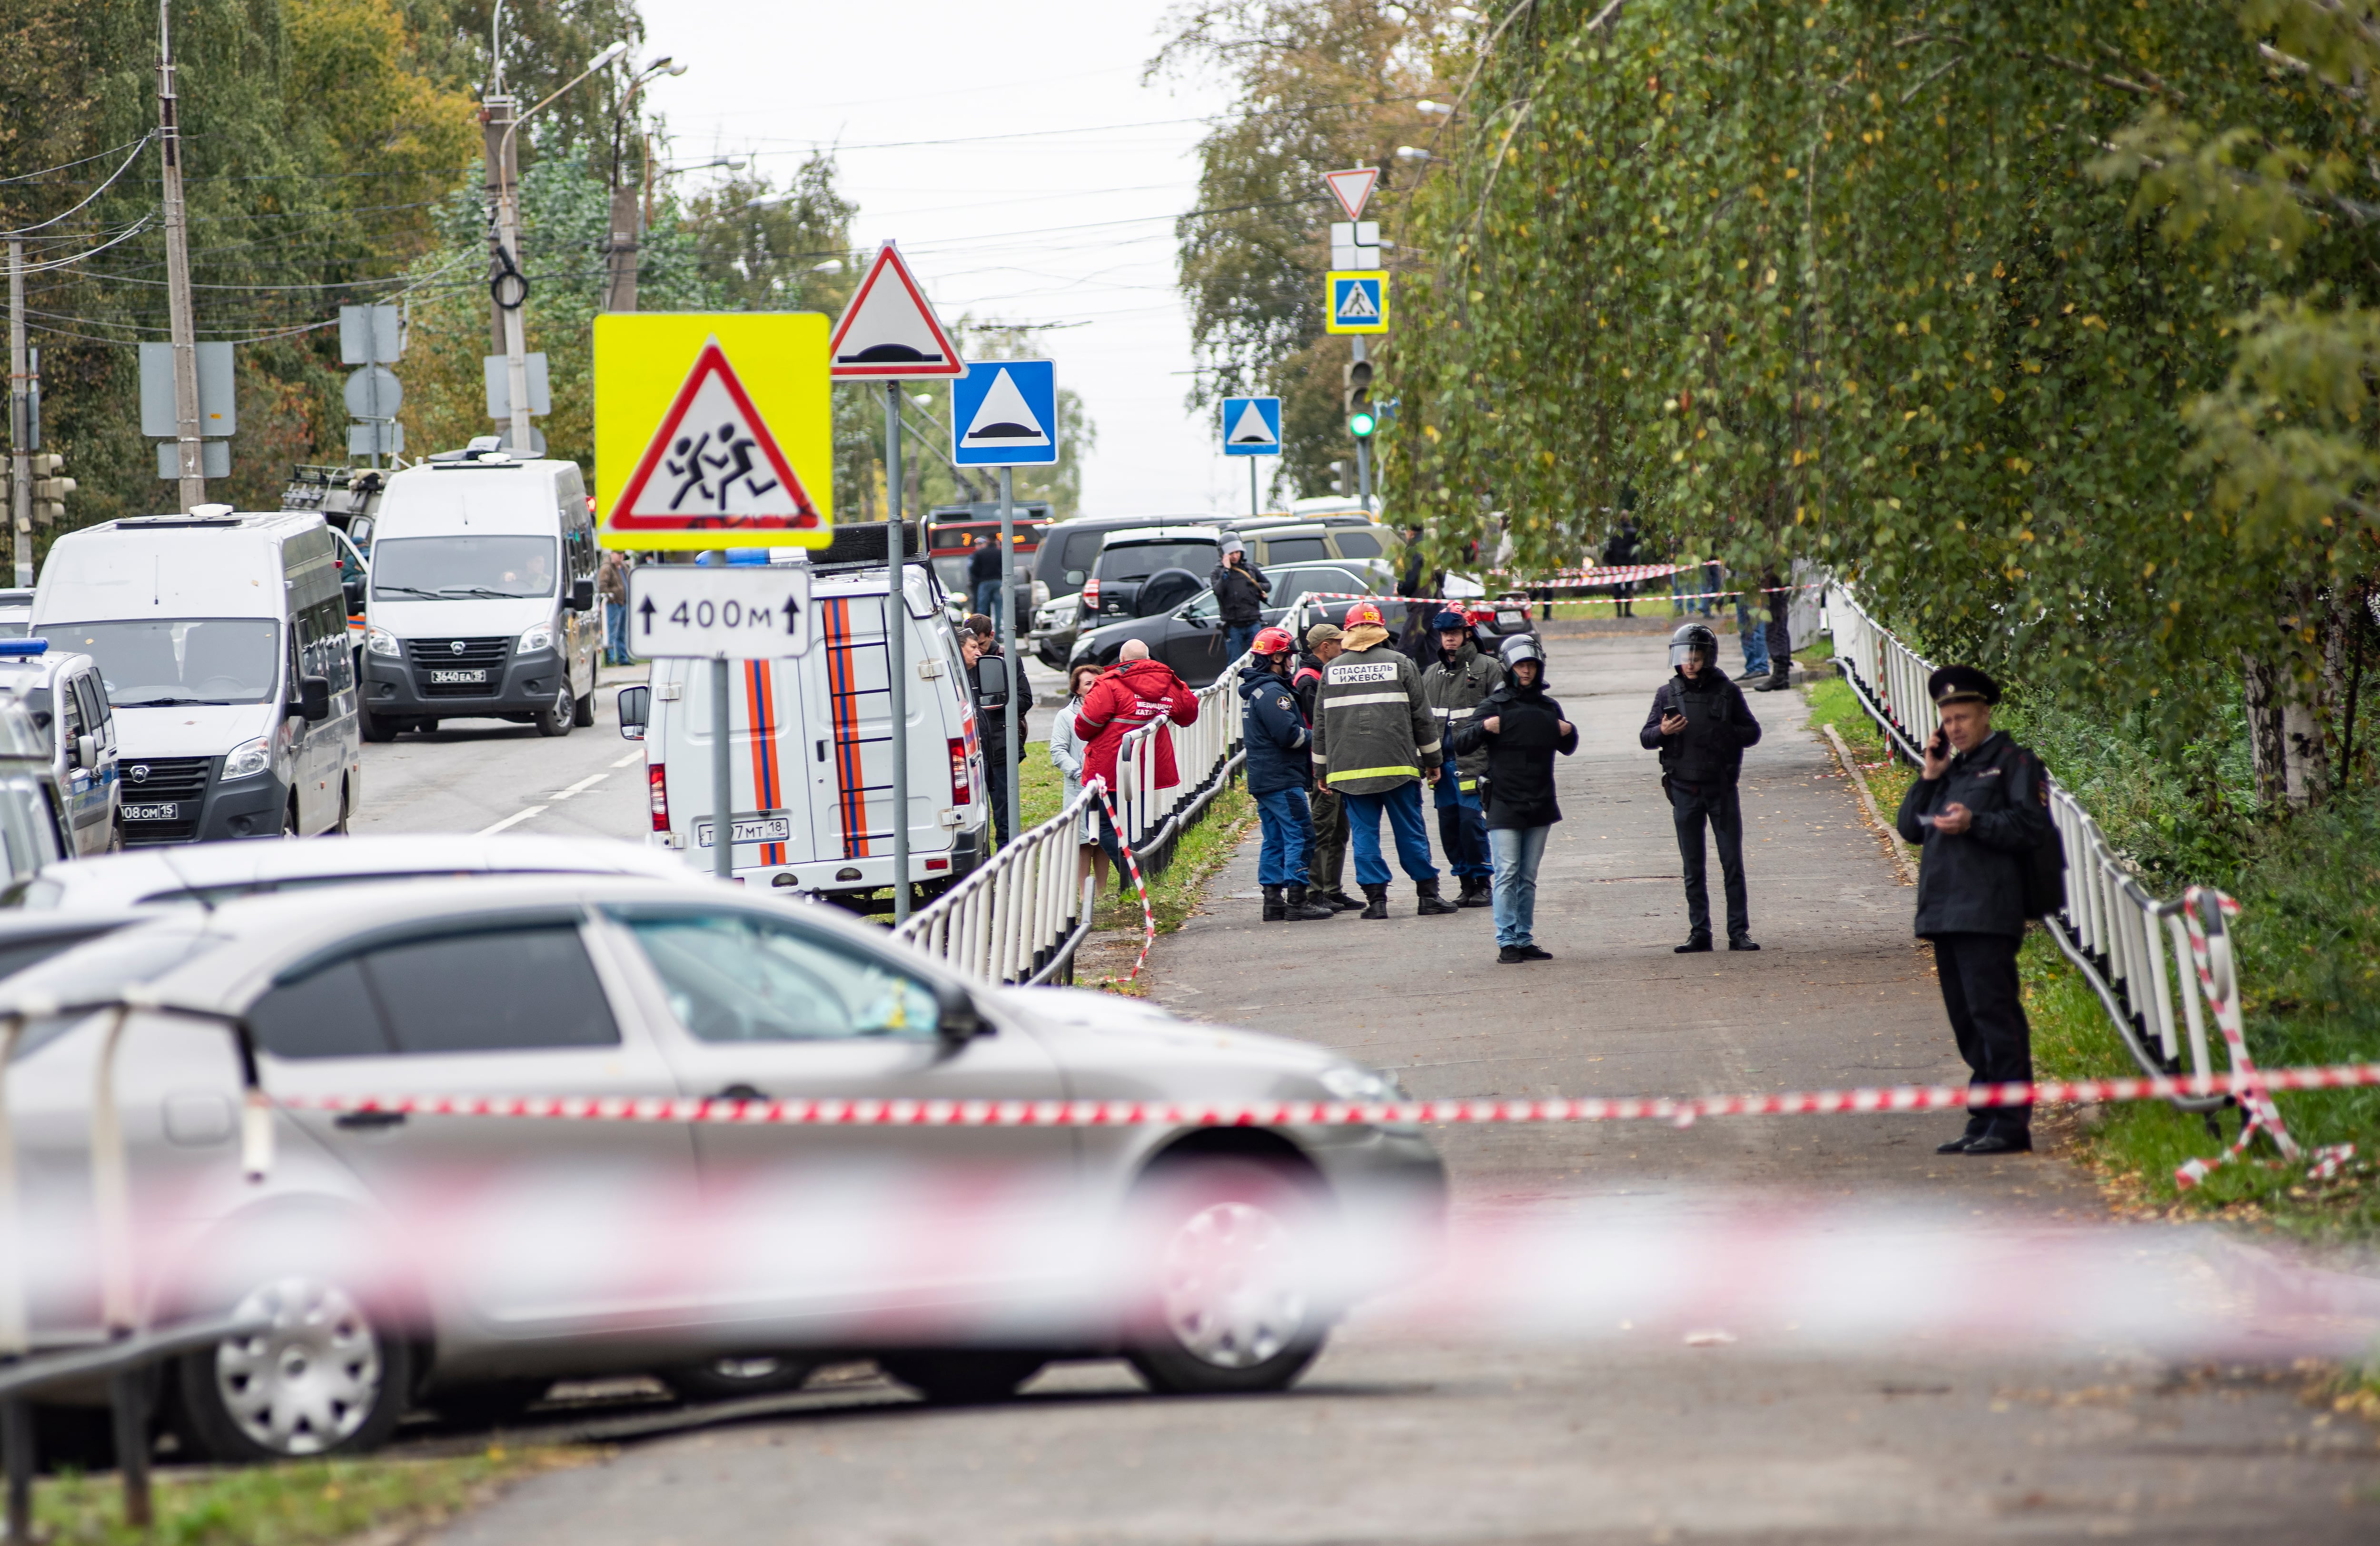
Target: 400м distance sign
680,611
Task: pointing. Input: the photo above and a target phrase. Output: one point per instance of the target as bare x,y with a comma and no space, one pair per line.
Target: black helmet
1521,647
1693,636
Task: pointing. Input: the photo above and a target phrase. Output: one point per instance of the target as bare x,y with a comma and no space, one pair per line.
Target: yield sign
889,332
713,465
1353,188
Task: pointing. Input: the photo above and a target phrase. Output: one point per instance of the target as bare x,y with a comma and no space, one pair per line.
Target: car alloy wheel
1231,1305
319,1377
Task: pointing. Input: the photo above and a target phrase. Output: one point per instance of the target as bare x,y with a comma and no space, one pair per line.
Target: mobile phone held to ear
1940,745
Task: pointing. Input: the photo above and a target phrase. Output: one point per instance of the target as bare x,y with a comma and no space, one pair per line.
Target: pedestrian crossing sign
712,431
1358,300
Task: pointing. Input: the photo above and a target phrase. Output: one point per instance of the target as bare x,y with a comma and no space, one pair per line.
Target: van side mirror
991,681
86,751
314,698
635,710
352,588
582,595
956,1018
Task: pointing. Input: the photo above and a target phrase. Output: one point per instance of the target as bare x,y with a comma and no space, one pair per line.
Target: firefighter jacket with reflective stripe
1455,689
1373,729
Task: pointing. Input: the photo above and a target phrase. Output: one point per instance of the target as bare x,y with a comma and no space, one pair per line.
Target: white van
810,741
221,640
482,602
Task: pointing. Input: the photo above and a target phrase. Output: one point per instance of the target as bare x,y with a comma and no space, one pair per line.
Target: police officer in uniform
1981,807
1700,725
1456,683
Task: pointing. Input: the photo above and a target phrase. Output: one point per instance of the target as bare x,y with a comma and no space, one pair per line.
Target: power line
99,155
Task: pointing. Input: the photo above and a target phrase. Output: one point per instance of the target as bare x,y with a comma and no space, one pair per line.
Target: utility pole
21,421
496,113
177,281
620,261
510,282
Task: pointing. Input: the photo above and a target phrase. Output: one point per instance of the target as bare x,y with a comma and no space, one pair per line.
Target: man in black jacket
991,721
983,572
1981,807
1521,729
1241,590
1700,725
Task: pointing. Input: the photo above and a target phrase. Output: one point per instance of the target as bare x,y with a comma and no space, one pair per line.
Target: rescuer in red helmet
1278,771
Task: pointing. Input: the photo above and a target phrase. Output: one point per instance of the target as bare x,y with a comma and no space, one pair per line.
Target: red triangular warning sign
714,465
1353,188
889,333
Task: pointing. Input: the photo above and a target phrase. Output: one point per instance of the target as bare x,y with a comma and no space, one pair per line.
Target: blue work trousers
1462,827
1288,826
1403,806
1517,849
987,598
1754,629
1237,637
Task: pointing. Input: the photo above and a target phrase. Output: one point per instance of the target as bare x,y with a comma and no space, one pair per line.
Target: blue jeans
1237,637
615,632
1402,805
987,597
1288,828
1517,850
1754,629
1461,826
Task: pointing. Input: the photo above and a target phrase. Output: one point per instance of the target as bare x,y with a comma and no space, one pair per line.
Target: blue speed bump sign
1252,426
1358,300
1004,413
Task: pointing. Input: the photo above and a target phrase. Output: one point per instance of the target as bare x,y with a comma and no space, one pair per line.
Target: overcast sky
1045,190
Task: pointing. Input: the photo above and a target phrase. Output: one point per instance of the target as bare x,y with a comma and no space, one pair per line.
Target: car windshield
191,659
440,568
1140,560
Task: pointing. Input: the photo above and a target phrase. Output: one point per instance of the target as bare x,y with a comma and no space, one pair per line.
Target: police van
810,741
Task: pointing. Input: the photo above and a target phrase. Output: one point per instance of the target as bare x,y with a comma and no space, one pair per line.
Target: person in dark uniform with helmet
1700,725
1981,809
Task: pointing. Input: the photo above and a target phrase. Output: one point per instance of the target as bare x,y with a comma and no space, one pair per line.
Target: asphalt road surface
1412,1430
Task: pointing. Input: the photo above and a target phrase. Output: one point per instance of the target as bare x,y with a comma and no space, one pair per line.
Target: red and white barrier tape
1681,1111
1147,915
2257,1111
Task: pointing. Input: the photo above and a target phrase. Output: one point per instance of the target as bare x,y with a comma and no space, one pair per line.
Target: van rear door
774,823
850,753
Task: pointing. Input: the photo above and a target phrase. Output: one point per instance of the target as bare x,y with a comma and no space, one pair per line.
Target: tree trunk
2295,692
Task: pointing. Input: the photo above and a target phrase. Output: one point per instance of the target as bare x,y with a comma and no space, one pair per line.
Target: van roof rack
862,546
178,522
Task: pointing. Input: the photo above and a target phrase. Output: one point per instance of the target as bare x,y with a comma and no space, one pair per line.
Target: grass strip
297,1504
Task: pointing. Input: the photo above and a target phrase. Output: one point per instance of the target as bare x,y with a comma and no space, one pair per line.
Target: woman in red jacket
1134,692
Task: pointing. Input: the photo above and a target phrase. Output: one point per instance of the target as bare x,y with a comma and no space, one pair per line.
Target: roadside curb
1901,855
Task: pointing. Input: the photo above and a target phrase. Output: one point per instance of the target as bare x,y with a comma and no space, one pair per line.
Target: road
1412,1432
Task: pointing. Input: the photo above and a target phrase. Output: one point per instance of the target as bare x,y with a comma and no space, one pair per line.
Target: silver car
469,1261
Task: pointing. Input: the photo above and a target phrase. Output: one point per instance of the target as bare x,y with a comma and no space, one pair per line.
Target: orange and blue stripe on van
761,701
843,698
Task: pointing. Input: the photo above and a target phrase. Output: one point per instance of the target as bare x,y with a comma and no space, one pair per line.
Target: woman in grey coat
1066,752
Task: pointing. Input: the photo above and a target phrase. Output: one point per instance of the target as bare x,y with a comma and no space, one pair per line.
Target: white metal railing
1021,915
1207,752
2129,946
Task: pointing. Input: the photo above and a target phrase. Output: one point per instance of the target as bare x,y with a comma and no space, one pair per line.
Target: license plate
750,829
449,678
152,812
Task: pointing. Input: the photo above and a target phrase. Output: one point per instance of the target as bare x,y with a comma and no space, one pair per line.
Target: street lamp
510,281
1436,109
1411,152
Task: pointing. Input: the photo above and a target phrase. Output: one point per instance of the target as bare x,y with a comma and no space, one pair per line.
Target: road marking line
516,817
632,756
582,783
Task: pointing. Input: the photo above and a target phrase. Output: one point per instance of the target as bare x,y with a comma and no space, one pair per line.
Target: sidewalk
1839,993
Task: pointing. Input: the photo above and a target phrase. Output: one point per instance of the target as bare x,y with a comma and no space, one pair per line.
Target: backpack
2044,862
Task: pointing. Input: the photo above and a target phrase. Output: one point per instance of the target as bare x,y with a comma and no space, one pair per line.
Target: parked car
36,826
66,701
482,602
1145,570
814,793
1311,540
222,643
206,873
1191,638
1062,565
631,989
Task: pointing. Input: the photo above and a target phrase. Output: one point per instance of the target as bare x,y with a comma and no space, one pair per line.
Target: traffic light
1358,399
50,491
1338,477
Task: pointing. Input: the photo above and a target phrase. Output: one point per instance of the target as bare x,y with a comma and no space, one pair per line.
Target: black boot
1474,893
1274,908
1779,679
1376,901
1428,904
1337,896
1299,907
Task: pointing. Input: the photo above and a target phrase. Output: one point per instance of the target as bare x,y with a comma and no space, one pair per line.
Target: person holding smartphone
1701,725
1981,807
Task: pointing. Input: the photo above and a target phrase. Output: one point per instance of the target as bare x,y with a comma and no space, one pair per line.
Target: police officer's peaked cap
1961,684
